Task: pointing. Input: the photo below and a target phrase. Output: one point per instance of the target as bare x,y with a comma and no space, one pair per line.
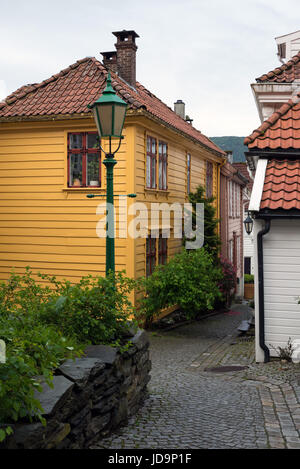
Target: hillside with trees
235,144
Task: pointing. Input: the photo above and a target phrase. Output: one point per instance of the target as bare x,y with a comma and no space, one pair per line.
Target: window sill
83,189
156,191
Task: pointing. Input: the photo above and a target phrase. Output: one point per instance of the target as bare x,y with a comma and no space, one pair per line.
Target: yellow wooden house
50,160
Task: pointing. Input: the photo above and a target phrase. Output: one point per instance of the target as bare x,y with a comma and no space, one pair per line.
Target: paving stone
190,408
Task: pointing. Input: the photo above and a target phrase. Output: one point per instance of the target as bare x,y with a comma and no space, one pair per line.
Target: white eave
258,185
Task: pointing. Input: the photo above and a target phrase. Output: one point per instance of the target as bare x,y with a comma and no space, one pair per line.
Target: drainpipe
261,299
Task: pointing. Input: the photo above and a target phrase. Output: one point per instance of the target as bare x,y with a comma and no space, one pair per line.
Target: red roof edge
272,120
279,70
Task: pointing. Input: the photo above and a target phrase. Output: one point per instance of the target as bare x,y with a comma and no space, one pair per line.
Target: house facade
50,160
274,150
231,222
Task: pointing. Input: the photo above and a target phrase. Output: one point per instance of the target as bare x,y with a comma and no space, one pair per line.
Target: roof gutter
261,292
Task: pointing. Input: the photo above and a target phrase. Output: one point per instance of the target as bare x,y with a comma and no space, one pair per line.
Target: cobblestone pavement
190,407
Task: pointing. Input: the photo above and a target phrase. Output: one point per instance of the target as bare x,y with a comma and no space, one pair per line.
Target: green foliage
249,278
189,279
42,325
94,310
227,283
212,240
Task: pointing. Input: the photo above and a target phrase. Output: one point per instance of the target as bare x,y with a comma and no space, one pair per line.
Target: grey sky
206,52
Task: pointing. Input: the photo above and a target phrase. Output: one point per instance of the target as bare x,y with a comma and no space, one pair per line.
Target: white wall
281,283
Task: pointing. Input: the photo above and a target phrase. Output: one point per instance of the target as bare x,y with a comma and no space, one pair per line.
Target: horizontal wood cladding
176,180
44,224
52,228
282,283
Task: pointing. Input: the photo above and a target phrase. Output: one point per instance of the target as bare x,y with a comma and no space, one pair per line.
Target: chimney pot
179,108
110,60
126,55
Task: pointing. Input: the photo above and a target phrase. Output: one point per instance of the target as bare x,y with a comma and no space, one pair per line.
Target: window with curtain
162,165
151,163
84,159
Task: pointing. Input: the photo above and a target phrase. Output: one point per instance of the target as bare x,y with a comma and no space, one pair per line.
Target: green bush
228,282
248,278
95,310
212,241
189,279
43,325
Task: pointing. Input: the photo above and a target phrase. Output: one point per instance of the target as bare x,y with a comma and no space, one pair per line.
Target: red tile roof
242,168
281,130
287,73
72,89
282,185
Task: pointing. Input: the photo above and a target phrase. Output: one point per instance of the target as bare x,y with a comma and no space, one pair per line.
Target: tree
212,240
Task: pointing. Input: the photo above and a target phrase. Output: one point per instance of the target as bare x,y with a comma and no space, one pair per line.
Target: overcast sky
205,52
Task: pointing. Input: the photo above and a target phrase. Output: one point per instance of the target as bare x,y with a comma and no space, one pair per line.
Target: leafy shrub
189,279
95,310
228,281
43,325
248,278
212,241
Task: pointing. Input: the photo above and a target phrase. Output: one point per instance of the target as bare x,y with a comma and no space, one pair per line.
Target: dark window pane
160,174
153,150
148,171
75,176
93,141
75,141
153,173
93,161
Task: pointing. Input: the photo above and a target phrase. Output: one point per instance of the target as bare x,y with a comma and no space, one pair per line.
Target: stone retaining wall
91,397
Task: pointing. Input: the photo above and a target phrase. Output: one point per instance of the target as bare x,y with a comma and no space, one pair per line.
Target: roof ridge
272,119
278,70
18,94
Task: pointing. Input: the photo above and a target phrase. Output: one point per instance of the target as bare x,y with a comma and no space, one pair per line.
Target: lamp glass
119,117
248,224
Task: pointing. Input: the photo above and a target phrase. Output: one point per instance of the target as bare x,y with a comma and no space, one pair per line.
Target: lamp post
109,113
248,223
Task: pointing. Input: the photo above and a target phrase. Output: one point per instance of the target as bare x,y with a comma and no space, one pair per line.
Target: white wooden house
274,152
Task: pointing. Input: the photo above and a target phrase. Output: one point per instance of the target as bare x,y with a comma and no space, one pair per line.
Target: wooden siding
52,228
44,224
176,181
282,283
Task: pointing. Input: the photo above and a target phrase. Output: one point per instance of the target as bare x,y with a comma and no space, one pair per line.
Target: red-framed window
151,163
209,179
162,165
188,177
84,159
162,250
150,255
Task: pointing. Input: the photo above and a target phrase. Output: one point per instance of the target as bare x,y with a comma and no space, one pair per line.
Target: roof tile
80,84
287,73
280,130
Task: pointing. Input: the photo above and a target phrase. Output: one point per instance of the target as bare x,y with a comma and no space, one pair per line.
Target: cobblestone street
189,407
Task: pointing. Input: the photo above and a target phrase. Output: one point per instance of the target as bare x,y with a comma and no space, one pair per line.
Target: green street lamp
109,113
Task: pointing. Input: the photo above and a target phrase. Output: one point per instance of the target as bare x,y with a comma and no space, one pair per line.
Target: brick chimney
126,55
110,60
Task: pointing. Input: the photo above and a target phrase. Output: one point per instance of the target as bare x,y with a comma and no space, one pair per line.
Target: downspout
261,298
